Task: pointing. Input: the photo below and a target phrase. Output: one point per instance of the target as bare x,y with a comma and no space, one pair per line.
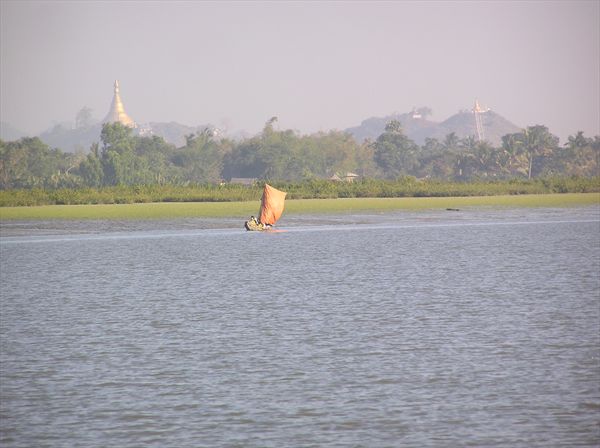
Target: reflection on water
471,328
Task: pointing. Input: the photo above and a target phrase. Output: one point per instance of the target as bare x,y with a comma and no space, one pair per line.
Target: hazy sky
314,65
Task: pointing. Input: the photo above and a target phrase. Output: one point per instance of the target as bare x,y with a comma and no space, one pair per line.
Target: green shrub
308,189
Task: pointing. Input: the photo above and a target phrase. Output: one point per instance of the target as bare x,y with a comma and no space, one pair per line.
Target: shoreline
242,210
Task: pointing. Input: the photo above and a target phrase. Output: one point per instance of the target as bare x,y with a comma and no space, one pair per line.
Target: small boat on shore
271,209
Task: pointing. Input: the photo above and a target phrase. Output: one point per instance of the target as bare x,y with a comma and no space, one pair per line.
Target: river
478,327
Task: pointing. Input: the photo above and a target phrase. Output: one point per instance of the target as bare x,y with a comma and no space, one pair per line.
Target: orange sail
271,205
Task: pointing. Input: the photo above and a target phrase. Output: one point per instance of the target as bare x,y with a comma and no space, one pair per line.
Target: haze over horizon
316,66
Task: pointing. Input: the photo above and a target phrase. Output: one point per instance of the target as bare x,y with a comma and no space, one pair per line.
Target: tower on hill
477,111
117,114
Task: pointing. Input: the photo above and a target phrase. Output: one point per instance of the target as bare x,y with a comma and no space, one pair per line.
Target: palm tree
577,141
469,143
464,161
537,140
580,155
450,142
511,150
487,159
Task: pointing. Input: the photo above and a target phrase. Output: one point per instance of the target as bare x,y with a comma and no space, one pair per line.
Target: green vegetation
309,189
137,176
128,195
241,210
125,159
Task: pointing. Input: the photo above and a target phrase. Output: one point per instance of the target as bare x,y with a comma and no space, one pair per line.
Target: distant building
415,115
117,114
348,177
243,180
145,130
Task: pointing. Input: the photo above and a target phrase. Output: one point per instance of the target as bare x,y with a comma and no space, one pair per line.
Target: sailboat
271,208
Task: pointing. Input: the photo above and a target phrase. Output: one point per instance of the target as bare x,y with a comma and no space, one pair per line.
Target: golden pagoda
117,111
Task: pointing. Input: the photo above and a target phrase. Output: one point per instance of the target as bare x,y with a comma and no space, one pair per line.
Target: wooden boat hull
254,226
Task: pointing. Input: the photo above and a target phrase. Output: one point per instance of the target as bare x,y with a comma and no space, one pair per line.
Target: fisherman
256,224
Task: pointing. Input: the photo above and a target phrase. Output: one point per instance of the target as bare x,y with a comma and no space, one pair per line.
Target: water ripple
478,330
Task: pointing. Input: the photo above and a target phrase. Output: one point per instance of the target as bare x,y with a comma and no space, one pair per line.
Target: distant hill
175,133
9,133
81,139
71,140
415,126
373,127
418,129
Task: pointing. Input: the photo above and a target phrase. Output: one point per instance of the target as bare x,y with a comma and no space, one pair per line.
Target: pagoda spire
117,114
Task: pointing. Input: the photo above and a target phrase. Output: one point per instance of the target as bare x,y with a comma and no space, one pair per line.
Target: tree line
123,158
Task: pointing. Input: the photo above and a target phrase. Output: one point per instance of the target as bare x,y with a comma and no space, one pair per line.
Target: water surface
433,328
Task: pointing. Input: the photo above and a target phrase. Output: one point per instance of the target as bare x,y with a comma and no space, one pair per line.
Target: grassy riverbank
243,209
405,187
